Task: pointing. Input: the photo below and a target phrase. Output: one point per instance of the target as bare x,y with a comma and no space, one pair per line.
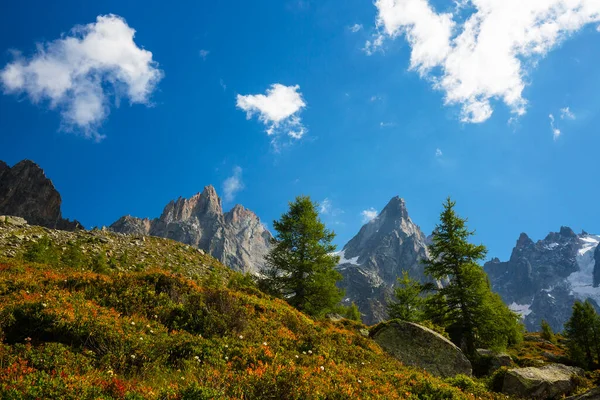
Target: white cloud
204,53
368,215
555,131
438,153
566,113
325,207
386,124
233,184
222,84
483,56
355,28
78,73
279,109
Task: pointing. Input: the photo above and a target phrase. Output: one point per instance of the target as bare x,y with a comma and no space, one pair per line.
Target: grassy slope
167,322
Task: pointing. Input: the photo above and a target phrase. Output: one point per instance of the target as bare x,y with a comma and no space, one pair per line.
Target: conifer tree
583,332
301,266
472,314
409,300
547,332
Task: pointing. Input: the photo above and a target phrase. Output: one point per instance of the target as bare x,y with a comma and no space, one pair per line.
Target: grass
79,320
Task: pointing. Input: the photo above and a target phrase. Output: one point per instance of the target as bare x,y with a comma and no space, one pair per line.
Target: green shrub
42,251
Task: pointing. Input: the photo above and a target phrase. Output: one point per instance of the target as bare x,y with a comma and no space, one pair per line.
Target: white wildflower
132,323
322,368
264,343
133,356
44,305
310,352
241,337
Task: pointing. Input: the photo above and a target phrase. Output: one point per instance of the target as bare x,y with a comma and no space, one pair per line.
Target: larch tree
466,306
301,265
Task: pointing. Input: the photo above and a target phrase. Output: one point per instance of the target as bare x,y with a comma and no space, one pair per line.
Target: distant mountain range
541,280
237,238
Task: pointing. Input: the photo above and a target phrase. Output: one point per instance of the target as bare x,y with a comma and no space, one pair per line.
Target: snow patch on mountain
522,309
582,281
344,260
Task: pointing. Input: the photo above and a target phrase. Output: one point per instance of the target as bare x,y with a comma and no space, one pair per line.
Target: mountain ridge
236,237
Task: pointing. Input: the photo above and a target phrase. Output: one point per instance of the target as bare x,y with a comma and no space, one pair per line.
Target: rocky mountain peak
373,259
543,279
26,192
236,238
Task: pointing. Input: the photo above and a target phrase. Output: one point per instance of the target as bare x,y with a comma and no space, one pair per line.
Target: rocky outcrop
372,261
593,394
547,382
26,192
237,238
542,279
489,361
421,347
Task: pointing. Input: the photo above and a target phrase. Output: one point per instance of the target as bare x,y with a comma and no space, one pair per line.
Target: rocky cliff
542,279
372,261
237,238
26,192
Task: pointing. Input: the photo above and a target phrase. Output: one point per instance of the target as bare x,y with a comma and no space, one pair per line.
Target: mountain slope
541,280
163,320
26,192
373,259
236,238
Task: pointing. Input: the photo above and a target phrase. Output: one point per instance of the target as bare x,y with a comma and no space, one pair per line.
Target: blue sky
390,98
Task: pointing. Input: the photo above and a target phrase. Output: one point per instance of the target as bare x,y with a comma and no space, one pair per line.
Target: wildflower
197,358
148,326
359,381
297,356
227,358
110,372
310,352
141,338
151,331
241,337
155,316
322,368
132,323
226,346
362,363
133,356
44,305
264,343
28,339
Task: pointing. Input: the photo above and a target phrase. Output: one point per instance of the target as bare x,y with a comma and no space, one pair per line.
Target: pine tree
301,266
583,332
547,332
409,300
472,314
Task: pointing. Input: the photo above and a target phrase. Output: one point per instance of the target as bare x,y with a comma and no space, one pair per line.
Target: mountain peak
26,192
394,210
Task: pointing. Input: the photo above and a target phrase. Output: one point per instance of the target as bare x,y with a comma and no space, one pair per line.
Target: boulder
10,220
593,394
489,361
421,347
547,382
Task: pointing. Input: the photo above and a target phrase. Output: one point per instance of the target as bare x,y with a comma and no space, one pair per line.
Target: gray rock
547,382
374,259
26,192
490,361
593,394
421,347
236,238
10,220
